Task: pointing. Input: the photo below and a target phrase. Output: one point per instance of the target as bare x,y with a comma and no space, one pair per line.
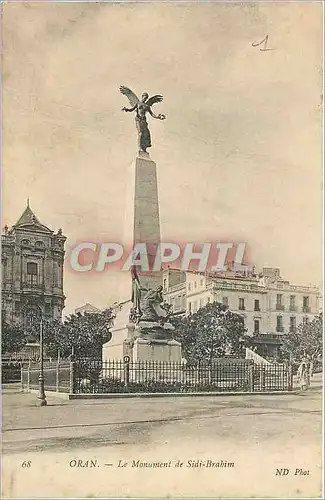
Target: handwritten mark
265,48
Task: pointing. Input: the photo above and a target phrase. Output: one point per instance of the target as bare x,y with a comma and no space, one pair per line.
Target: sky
239,155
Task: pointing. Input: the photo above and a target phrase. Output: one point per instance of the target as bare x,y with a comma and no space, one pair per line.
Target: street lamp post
41,396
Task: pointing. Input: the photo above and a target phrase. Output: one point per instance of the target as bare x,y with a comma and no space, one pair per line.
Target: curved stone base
154,331
154,325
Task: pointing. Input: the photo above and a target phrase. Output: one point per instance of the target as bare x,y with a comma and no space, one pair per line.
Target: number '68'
26,464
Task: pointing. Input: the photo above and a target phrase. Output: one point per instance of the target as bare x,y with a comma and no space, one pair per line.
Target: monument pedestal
126,341
155,360
156,350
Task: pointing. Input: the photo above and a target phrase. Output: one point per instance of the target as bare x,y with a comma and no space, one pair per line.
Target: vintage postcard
162,304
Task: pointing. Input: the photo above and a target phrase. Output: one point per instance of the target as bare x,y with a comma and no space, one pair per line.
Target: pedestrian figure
303,376
85,385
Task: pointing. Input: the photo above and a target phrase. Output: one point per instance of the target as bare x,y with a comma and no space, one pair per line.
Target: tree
13,337
85,334
305,342
210,333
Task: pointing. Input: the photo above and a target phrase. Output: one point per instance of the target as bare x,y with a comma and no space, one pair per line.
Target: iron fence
10,371
56,375
273,377
95,376
98,377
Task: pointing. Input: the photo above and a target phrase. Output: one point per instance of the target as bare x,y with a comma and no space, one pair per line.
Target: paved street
257,434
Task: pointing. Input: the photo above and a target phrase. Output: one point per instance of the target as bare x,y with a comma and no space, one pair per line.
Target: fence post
21,377
262,372
126,360
57,385
251,377
290,377
28,376
72,384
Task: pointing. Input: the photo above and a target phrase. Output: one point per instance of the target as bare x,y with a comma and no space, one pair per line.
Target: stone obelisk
142,222
141,226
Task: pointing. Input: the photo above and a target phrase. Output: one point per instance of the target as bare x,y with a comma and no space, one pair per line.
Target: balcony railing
292,308
279,307
295,288
267,338
5,238
32,285
306,309
175,288
220,285
279,329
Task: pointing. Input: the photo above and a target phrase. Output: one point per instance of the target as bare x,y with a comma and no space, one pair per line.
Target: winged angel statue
142,107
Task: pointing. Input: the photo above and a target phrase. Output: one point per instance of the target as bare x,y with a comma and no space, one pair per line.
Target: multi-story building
32,270
270,305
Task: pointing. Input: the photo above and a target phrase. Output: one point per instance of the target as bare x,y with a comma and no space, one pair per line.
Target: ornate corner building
32,270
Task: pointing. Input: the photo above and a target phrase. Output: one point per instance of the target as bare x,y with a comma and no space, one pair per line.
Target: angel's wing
155,98
130,95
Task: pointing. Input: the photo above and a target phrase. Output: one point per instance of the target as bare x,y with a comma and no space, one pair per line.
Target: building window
32,268
292,324
241,306
305,320
25,242
32,273
40,244
292,303
256,305
305,304
189,287
209,300
195,284
194,306
190,307
279,306
256,326
201,282
225,301
279,324
165,283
